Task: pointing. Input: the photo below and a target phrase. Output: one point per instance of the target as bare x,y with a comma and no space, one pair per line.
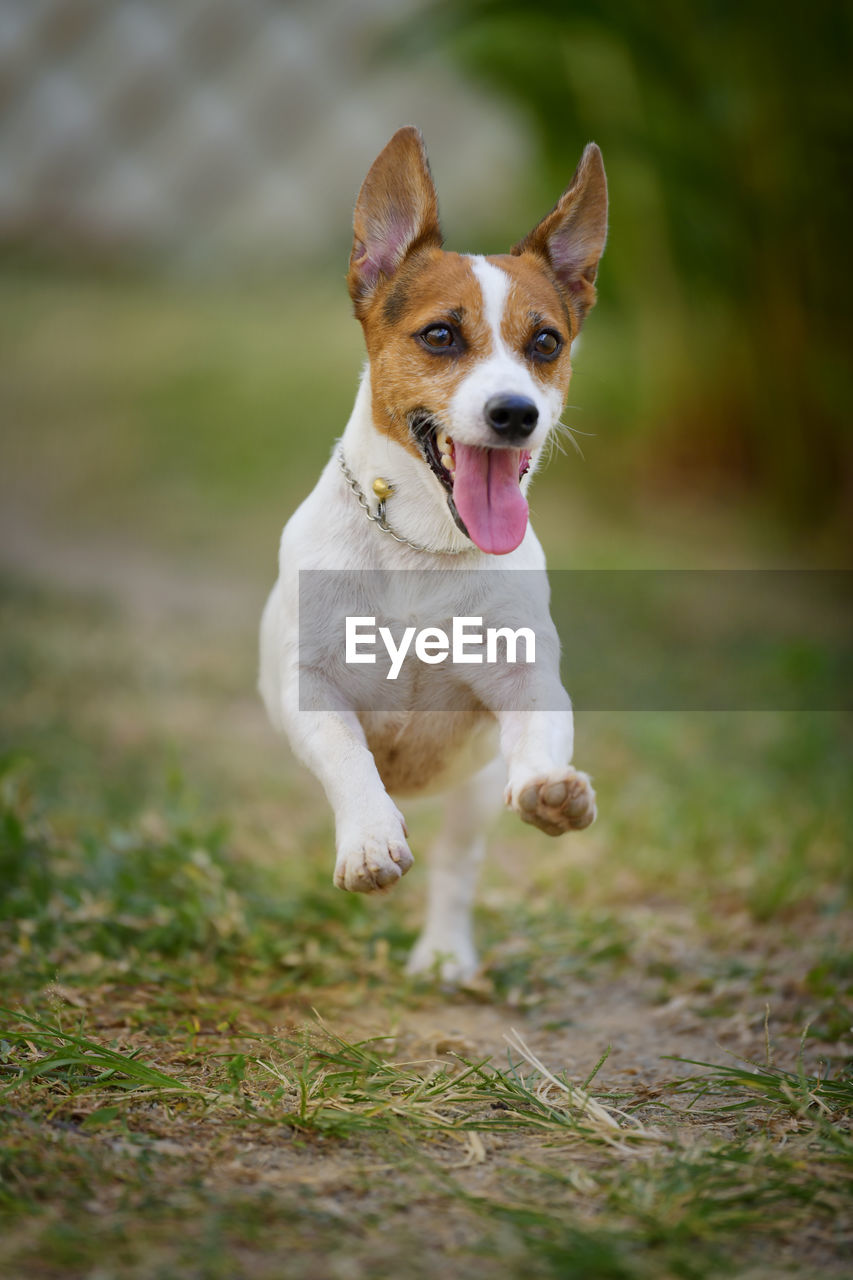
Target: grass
76,1062
667,1197
324,1084
211,1063
801,1095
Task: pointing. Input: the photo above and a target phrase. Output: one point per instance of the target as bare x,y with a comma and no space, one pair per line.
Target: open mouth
482,485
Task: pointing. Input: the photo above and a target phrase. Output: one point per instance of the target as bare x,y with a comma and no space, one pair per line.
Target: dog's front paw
556,802
373,862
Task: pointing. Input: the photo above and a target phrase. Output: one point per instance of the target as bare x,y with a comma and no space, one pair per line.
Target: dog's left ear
571,237
396,213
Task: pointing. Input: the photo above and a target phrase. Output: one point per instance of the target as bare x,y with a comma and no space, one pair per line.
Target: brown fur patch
536,302
409,757
433,287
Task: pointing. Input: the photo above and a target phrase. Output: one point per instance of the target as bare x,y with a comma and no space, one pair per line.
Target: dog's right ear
396,212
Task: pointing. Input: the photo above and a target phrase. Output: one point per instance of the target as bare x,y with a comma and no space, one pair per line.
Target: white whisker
562,431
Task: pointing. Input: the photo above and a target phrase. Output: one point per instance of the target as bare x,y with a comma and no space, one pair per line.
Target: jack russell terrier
467,375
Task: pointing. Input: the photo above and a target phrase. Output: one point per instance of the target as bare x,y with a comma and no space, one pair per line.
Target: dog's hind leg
446,943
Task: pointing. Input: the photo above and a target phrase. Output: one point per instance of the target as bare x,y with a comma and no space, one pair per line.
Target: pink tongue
487,497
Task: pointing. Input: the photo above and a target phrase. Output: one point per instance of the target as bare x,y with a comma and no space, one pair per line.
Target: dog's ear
571,237
396,212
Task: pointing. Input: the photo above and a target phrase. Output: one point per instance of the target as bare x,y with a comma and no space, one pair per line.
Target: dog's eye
437,336
547,343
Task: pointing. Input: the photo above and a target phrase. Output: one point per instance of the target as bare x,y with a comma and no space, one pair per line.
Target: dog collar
383,490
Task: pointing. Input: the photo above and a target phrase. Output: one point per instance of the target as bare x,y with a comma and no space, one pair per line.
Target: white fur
502,373
330,531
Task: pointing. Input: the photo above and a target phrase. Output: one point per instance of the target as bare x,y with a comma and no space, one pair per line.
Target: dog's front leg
542,786
370,833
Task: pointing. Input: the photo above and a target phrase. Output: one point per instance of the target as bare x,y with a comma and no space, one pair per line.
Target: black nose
513,417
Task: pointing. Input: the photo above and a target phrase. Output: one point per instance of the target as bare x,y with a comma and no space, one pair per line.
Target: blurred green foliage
726,133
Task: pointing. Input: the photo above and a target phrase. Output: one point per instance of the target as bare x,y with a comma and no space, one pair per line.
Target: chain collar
378,517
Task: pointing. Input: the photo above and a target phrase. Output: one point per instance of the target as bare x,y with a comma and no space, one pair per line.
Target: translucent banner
457,639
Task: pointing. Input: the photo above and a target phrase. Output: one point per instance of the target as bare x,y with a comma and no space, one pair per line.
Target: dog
467,375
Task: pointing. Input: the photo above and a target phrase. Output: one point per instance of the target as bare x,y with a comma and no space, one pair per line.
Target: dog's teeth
447,462
442,440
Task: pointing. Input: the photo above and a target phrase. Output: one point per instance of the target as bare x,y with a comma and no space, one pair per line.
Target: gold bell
382,488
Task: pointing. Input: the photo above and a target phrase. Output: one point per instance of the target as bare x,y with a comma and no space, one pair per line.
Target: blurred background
176,189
